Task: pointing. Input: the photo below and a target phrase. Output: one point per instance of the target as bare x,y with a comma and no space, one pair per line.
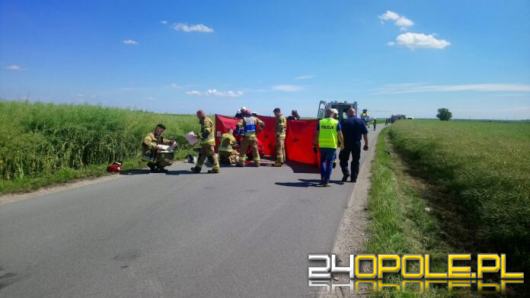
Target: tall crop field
39,139
484,170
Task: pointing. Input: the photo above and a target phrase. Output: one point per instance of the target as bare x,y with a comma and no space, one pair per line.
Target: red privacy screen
299,141
298,144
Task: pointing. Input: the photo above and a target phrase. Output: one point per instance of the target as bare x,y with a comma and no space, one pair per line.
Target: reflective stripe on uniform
249,125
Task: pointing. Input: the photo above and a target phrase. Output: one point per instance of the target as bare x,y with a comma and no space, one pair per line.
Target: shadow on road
147,172
302,168
306,183
135,172
180,172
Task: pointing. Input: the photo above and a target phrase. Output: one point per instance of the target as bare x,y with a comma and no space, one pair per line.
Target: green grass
483,171
43,144
472,176
399,222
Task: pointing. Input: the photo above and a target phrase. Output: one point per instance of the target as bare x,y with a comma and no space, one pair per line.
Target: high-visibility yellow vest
328,136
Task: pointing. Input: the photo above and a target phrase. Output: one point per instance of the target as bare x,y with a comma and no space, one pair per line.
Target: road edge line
351,232
17,197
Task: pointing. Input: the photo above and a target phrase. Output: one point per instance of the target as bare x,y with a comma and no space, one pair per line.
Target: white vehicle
342,107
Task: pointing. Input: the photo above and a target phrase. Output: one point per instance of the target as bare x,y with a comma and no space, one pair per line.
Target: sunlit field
482,170
42,143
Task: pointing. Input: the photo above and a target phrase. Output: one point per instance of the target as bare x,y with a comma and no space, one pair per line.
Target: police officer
281,130
227,154
207,143
248,127
327,139
352,129
151,149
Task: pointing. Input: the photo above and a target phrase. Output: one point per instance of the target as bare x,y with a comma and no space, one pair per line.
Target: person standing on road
248,126
327,138
281,130
375,123
352,128
151,148
207,140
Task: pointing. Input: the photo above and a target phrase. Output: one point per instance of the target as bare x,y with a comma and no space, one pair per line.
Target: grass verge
460,186
482,173
44,144
400,219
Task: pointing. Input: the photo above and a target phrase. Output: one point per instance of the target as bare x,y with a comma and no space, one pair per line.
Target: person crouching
153,147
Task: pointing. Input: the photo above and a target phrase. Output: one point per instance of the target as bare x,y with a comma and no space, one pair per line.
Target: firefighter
281,129
227,154
156,161
294,115
207,143
248,127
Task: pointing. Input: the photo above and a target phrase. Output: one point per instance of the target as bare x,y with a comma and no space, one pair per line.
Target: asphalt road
242,233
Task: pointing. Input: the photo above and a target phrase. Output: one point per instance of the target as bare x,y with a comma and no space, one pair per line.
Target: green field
42,144
457,186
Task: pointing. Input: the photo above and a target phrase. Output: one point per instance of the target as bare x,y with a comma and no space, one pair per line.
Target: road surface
242,233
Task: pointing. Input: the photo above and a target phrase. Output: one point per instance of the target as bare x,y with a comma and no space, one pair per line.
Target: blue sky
409,57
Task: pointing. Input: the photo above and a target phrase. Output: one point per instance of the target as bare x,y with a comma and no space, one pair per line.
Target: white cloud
433,88
404,23
130,42
389,16
215,92
194,93
304,77
175,86
287,88
400,21
420,41
409,39
13,67
163,22
192,28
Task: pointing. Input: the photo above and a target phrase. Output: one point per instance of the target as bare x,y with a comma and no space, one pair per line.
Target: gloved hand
365,148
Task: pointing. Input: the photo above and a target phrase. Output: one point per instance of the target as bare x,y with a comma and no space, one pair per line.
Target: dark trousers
344,156
327,156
